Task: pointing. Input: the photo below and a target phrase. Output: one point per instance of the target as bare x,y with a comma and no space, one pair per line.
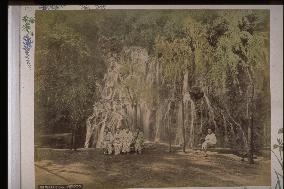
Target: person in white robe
123,139
210,140
129,139
117,143
108,142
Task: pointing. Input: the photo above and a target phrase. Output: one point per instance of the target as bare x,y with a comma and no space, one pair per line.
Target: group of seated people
123,141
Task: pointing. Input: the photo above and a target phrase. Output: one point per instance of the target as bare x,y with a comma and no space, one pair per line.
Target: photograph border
27,44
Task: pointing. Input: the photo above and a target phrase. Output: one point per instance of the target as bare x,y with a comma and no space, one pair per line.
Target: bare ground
156,167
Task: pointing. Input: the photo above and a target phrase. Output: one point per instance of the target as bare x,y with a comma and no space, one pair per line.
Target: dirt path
155,168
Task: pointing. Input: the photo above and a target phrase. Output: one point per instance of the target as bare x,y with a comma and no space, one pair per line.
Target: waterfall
179,138
146,122
100,137
119,95
192,121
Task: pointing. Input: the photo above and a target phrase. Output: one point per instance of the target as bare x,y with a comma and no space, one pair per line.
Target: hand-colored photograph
152,98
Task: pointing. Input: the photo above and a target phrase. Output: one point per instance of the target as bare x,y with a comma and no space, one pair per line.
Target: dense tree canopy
173,73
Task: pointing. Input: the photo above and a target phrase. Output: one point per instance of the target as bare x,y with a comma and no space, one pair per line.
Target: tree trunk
250,131
250,110
101,136
141,116
158,105
135,115
73,139
250,134
201,117
145,117
192,122
211,110
169,133
157,130
183,126
95,137
184,91
90,130
225,132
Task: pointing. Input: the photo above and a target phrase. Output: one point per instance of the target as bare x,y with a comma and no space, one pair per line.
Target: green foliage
215,47
174,57
27,24
62,79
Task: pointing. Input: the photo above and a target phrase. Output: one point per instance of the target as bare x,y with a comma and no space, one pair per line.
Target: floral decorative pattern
27,39
27,47
278,154
27,24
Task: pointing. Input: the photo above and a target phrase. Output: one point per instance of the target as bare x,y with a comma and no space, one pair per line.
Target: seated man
210,140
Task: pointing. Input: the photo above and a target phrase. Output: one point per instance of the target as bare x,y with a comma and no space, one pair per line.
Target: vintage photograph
150,98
